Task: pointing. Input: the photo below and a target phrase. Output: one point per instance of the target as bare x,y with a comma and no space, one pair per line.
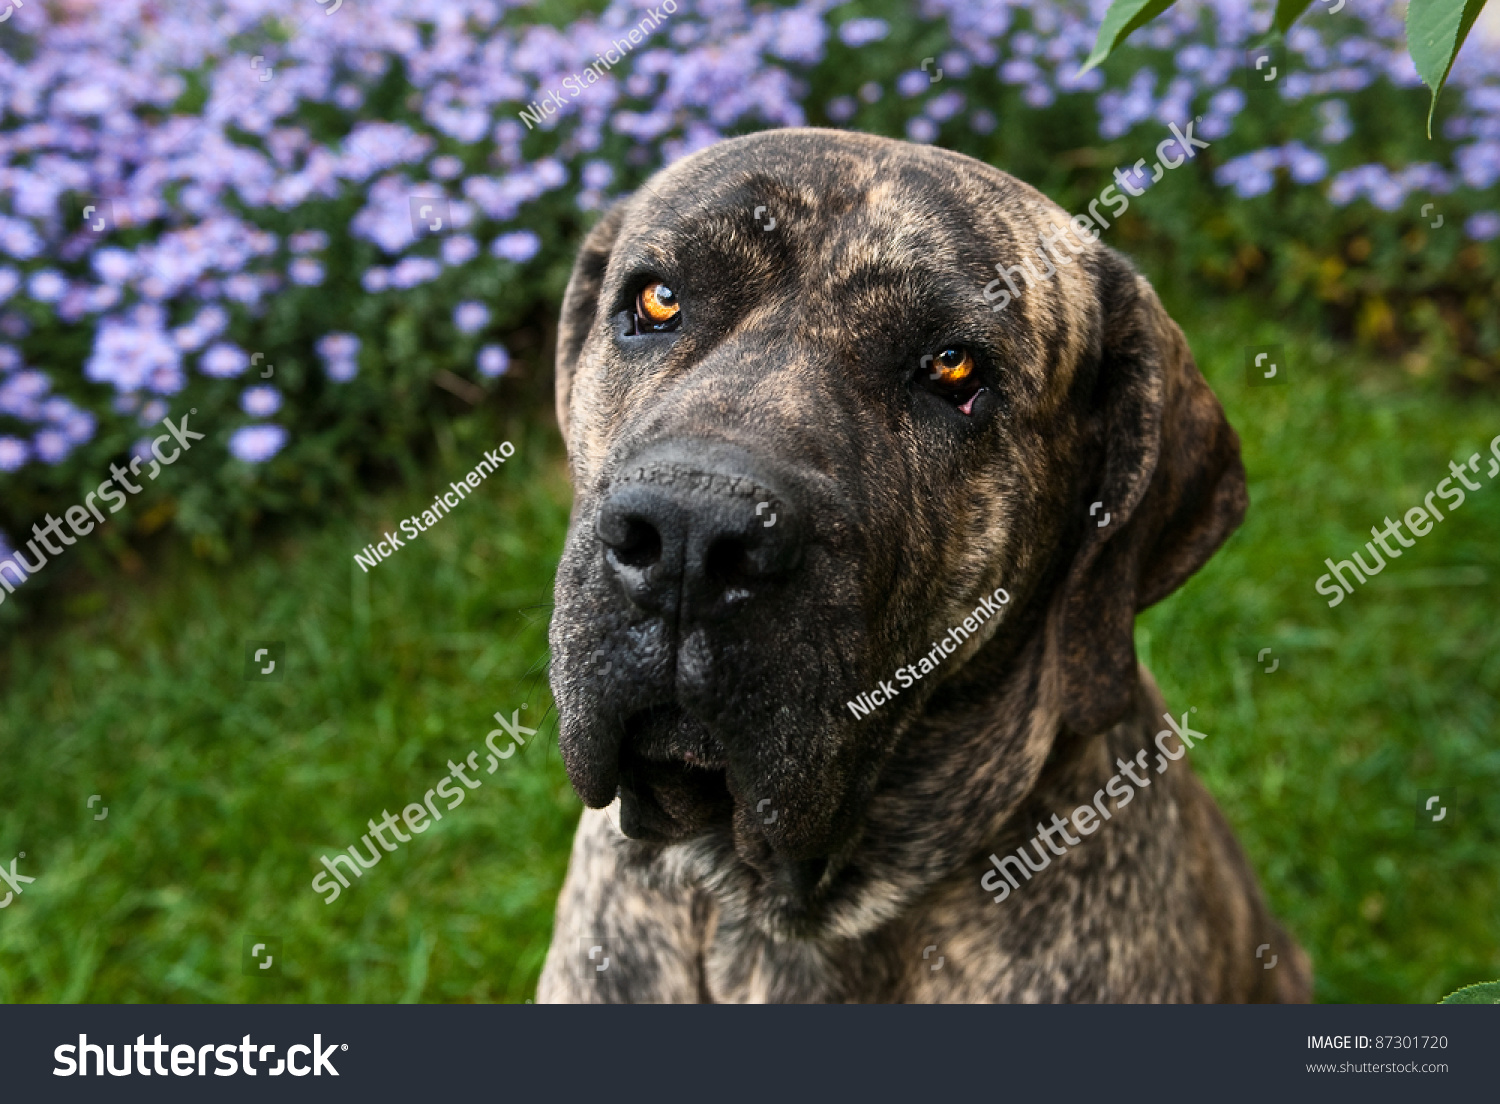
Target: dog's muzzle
698,549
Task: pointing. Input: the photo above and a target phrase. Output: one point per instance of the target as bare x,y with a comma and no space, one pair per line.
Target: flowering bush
297,216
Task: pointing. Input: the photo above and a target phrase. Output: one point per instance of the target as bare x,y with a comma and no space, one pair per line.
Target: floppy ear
580,302
1172,480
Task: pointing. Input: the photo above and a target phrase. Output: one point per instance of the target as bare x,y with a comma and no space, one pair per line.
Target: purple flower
459,249
943,107
19,239
30,385
101,298
800,36
308,241
1479,164
46,286
1336,124
1484,226
493,361
841,108
210,323
518,246
1038,95
341,371
445,167
1306,166
243,288
340,352
338,346
922,130
223,361
306,271
1019,71
1192,58
14,452
411,271
598,175
51,446
261,401
471,317
913,82
9,282
153,412
255,444
861,32
1227,101
134,351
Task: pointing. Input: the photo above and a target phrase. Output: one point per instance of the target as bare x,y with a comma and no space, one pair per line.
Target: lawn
223,791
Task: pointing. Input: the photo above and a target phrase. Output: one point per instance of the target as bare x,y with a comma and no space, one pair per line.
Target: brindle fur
799,347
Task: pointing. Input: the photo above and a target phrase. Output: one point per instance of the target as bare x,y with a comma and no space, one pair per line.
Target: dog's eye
656,307
954,374
953,367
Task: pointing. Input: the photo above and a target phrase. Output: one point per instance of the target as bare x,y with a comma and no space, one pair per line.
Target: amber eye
952,367
657,305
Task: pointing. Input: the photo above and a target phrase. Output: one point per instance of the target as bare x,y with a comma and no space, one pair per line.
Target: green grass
222,793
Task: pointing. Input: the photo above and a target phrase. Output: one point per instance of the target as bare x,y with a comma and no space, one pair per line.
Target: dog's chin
674,783
675,786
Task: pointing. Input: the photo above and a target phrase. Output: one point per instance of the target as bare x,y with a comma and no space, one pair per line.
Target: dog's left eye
953,372
657,308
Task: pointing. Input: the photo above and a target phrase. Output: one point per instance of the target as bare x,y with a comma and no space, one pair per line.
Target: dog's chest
1084,934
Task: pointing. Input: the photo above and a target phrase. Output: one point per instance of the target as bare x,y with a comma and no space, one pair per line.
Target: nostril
640,546
727,563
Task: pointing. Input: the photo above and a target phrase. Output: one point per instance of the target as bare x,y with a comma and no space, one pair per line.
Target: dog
809,448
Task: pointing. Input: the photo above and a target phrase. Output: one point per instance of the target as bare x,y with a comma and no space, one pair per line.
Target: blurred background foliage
284,205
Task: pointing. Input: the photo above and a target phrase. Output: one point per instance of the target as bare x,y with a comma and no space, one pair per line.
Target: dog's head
806,444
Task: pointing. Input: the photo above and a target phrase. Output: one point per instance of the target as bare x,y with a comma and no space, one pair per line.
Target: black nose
696,534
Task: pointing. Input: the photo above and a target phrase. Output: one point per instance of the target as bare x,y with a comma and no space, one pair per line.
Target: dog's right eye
953,367
656,308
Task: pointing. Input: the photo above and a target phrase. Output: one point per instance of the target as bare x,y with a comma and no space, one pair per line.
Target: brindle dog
805,443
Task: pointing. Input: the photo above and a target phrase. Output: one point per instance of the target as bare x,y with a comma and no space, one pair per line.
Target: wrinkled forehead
820,206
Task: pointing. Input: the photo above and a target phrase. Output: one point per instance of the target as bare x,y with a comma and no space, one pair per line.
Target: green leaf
1287,12
1435,32
1487,992
1123,17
